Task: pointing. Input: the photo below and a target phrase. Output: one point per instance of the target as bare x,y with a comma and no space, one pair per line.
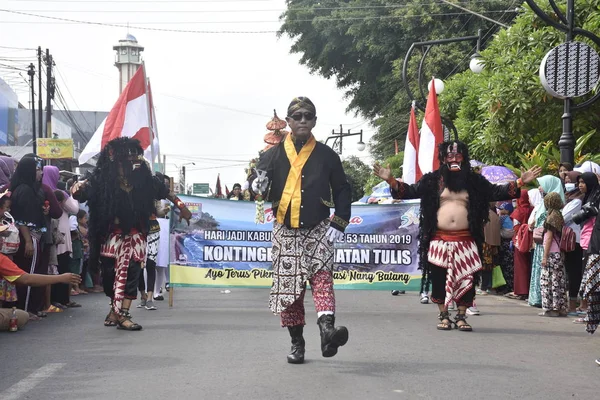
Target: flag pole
150,127
155,130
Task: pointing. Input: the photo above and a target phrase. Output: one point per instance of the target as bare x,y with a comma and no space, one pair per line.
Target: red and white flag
129,117
432,134
411,172
154,150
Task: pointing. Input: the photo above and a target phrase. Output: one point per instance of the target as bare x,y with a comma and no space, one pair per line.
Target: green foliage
547,155
357,173
504,112
362,44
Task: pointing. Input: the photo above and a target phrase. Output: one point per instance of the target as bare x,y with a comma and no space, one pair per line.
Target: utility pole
164,166
49,94
31,74
40,105
338,136
182,180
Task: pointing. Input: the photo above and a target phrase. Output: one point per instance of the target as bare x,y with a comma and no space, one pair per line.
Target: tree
362,44
357,173
505,111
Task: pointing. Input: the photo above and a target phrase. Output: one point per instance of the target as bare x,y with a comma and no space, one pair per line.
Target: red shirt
9,270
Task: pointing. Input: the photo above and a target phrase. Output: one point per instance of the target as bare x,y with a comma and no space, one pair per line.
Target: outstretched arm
399,190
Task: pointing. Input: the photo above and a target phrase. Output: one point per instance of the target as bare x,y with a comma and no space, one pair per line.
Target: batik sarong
457,252
298,254
591,291
123,248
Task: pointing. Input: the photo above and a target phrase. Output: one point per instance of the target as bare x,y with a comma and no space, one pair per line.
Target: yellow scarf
292,193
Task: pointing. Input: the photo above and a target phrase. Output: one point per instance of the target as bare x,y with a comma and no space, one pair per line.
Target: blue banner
224,247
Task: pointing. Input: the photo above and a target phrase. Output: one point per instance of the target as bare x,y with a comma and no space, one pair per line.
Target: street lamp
182,176
475,65
569,70
338,136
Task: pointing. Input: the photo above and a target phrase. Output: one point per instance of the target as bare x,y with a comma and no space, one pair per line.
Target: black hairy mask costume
108,200
481,192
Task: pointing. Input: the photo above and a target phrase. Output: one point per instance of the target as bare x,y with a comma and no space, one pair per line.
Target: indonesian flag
129,117
155,148
432,134
218,190
411,172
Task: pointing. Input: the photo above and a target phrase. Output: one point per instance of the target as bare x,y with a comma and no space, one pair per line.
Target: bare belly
452,216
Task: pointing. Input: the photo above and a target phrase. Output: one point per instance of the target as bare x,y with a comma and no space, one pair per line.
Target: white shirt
73,224
573,207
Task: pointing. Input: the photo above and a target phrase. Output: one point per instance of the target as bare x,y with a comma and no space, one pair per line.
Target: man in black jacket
304,179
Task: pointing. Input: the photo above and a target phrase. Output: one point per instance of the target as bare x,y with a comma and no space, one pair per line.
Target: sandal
444,326
42,314
125,323
461,323
110,319
33,317
72,304
54,309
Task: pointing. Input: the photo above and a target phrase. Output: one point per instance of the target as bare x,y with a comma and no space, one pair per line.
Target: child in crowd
77,254
553,279
82,227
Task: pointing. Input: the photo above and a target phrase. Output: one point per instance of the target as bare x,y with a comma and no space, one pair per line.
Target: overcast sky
213,93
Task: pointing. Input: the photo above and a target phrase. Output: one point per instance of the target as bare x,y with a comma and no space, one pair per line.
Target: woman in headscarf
61,292
548,184
590,284
553,275
5,173
10,163
589,186
522,259
28,211
570,180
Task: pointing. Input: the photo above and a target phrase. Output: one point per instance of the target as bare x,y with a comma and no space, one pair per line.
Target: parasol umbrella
498,174
475,163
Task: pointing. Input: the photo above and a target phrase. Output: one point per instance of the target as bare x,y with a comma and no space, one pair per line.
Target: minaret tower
128,59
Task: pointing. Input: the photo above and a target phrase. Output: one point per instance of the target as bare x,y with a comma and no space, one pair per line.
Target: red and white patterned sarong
123,248
457,252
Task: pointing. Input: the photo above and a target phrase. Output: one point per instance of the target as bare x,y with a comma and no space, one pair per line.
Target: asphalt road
212,345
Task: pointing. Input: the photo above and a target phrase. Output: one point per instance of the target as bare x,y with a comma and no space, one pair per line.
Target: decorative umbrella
498,174
277,133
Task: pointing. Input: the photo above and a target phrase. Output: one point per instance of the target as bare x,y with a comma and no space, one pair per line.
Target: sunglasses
298,116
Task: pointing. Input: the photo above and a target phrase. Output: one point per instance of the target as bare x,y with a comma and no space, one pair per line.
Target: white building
128,59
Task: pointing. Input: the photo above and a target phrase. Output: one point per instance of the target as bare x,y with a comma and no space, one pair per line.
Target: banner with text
224,247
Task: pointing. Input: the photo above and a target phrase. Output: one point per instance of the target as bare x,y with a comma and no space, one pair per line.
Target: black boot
297,354
331,337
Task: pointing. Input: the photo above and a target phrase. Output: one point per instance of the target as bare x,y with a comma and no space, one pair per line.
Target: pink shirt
586,233
554,247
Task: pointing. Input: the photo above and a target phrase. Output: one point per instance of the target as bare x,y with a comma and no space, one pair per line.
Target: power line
17,48
73,98
299,9
316,19
144,1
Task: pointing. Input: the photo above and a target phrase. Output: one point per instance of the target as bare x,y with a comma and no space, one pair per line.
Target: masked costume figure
454,209
302,175
120,193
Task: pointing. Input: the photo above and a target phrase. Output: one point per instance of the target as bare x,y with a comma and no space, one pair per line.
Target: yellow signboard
52,149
